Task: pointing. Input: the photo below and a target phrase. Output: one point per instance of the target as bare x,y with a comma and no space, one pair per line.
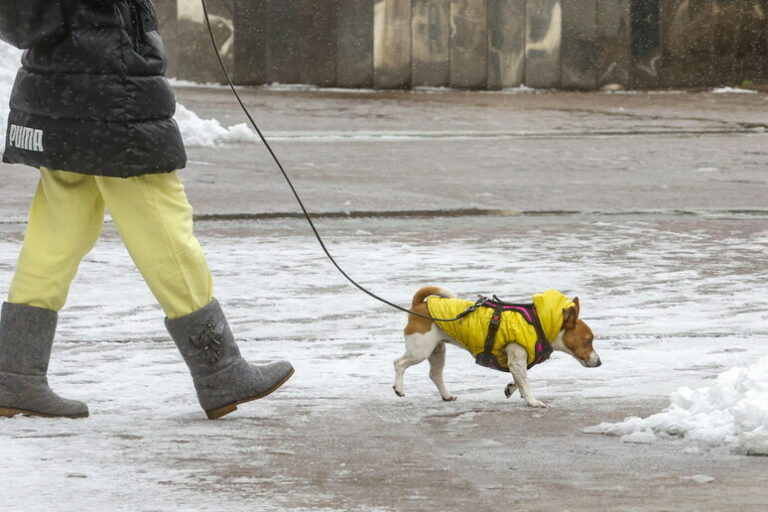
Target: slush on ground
650,207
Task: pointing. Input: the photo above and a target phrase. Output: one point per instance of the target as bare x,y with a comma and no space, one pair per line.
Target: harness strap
493,328
480,302
486,357
543,348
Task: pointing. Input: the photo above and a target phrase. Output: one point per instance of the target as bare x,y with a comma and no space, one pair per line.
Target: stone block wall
472,44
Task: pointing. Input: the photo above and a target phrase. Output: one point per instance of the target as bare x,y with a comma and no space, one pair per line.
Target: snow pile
520,89
733,90
10,60
209,132
732,412
194,130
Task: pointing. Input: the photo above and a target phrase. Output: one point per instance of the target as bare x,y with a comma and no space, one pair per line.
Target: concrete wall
474,44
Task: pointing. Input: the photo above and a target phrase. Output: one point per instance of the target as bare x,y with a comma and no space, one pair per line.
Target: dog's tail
431,290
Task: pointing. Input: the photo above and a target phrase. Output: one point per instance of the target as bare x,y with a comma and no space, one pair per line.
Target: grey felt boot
223,379
26,336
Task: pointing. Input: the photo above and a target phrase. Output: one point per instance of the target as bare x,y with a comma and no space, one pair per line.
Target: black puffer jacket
90,96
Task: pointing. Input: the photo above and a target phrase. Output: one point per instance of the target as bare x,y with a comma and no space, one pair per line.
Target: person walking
91,109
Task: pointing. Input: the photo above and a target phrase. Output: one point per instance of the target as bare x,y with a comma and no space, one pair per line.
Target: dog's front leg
518,367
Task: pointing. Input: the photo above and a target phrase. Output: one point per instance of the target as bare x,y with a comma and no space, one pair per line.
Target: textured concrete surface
575,44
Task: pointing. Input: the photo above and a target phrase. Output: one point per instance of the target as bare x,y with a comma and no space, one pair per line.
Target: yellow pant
154,220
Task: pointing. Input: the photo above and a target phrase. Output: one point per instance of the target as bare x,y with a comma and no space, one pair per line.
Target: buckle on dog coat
486,358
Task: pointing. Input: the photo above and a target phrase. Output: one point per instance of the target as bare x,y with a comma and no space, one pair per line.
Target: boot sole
224,410
9,412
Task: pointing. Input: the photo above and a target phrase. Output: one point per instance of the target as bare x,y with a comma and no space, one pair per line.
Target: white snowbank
699,479
194,130
521,89
733,90
209,132
175,82
10,60
731,412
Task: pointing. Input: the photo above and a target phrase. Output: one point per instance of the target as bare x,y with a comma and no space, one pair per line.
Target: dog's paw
450,398
398,392
537,403
510,389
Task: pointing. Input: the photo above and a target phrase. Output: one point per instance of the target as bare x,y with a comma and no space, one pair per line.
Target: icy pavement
651,207
673,300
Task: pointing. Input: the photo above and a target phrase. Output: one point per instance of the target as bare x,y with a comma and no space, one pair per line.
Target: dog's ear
576,304
569,318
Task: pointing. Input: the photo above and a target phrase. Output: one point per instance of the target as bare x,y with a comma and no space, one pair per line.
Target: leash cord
296,194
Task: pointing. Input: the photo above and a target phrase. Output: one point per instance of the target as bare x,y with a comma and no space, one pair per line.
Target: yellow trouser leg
153,217
154,220
64,223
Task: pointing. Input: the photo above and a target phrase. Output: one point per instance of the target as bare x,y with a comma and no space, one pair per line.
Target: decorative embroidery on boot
210,342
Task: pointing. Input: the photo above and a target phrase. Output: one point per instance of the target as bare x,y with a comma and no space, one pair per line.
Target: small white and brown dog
425,338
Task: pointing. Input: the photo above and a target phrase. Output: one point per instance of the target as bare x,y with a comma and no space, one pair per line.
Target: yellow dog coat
516,324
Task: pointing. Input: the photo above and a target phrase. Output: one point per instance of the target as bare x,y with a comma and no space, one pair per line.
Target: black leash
296,194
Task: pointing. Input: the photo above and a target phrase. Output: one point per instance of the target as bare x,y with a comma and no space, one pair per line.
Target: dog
510,348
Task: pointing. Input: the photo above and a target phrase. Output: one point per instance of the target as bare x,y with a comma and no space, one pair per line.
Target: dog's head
576,338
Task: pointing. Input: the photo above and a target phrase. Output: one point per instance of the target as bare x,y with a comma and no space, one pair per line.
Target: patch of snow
754,443
194,130
276,285
733,90
10,60
642,436
209,132
521,89
278,87
699,479
433,89
147,445
732,412
175,82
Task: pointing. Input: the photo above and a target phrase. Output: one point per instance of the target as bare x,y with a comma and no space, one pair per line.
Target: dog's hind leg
436,365
418,347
